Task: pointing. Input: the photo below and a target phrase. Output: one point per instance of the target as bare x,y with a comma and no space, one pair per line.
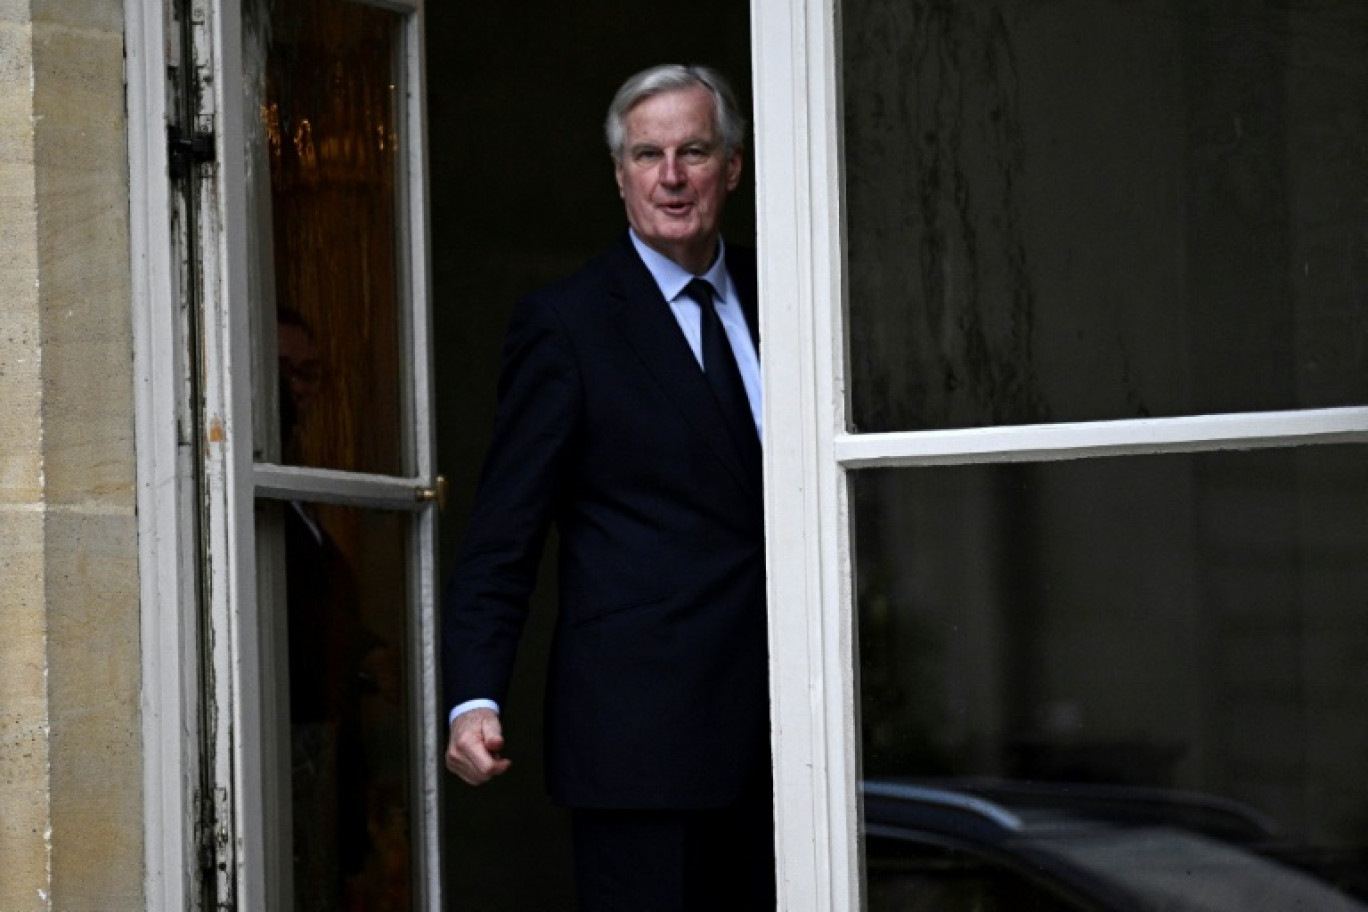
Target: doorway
522,194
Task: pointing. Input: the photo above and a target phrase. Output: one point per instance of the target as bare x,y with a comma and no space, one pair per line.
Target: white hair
672,77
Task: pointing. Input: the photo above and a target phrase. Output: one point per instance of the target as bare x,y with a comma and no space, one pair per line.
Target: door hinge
184,152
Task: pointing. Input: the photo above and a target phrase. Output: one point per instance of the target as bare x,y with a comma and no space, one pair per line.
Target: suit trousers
677,860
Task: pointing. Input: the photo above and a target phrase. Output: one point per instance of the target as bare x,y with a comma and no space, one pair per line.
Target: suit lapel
650,328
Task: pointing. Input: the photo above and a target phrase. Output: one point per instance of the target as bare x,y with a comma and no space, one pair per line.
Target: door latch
437,492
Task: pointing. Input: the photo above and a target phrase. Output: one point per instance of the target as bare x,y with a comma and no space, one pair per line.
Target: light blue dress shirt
672,278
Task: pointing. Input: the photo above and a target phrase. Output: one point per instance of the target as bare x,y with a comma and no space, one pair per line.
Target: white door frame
799,237
808,449
166,516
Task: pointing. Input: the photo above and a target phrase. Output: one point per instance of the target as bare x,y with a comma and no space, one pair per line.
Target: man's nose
671,174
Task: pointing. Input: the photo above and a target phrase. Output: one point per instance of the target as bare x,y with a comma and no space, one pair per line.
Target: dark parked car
979,846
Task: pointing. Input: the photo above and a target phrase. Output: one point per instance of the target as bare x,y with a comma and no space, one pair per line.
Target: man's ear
617,172
735,165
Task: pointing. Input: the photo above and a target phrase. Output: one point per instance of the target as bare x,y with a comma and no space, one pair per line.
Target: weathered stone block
93,14
93,687
82,195
24,752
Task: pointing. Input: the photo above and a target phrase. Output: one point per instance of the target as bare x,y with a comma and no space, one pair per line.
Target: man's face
674,175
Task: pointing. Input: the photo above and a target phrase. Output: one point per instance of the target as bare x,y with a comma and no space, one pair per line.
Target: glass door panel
328,134
1167,652
1133,677
1103,209
340,578
914,876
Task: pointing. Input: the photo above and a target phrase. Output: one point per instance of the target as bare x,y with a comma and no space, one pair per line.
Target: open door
342,462
318,490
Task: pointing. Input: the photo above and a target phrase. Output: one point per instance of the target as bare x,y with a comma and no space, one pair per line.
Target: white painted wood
426,768
240,762
165,517
1040,443
352,489
807,539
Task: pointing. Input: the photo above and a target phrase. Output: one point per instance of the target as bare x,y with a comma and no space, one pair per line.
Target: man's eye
647,155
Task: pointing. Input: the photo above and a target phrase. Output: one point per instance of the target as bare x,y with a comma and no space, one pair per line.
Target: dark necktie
719,366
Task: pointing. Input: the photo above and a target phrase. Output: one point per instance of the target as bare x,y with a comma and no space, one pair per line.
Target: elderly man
629,417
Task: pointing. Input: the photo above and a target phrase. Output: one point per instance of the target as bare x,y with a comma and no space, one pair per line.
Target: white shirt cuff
468,705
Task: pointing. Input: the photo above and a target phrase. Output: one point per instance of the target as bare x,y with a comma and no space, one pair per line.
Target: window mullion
807,539
1043,443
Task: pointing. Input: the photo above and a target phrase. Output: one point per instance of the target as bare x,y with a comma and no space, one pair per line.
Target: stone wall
70,766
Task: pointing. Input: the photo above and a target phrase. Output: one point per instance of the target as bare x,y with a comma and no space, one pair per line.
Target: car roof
1109,847
1016,808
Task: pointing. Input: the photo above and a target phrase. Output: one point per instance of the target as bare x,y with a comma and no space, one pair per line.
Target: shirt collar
671,278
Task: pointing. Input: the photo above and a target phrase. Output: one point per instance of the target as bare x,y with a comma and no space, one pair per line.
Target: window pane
1093,209
339,660
330,235
1053,643
907,876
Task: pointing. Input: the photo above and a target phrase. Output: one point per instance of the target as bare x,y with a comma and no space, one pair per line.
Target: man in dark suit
629,417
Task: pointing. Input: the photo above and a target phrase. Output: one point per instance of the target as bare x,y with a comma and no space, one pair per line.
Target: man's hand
473,751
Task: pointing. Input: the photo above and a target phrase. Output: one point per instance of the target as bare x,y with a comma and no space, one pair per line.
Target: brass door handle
436,493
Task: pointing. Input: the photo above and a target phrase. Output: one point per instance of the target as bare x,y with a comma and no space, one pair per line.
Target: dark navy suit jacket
658,686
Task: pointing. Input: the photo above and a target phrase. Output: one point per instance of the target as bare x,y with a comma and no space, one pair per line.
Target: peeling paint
216,430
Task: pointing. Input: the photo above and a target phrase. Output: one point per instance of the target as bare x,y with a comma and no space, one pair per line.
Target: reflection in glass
326,142
346,644
1094,209
926,877
1174,645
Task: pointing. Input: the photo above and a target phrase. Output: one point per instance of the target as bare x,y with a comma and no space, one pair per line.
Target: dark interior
522,193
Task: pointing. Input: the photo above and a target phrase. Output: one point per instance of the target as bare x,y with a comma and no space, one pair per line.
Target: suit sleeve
525,468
